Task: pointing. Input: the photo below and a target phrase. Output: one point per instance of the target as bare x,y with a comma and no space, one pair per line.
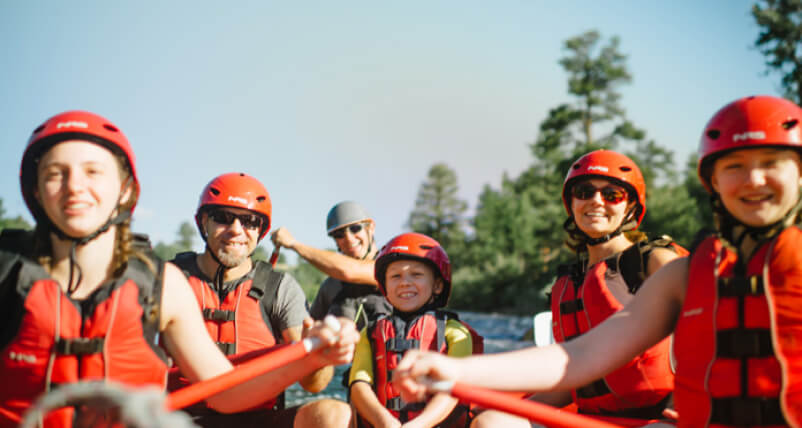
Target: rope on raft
111,404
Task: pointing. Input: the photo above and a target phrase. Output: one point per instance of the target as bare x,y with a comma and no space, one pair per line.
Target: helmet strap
75,268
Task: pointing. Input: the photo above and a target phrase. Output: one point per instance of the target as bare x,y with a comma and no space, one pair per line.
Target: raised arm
333,264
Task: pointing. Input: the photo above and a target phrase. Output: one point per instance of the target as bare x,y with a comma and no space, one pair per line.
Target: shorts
282,418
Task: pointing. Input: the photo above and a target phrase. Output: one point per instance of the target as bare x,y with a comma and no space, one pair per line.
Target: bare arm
437,409
333,264
199,358
317,380
646,320
369,407
658,258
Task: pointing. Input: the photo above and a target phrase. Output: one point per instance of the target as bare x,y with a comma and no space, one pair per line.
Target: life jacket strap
79,346
227,348
741,286
218,315
744,343
595,389
747,411
571,307
400,345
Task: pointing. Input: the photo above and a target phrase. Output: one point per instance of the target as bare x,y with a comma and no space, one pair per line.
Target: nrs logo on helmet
598,168
243,201
749,135
72,124
399,247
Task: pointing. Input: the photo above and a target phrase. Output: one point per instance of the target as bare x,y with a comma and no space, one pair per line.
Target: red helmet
751,122
71,125
237,190
612,166
415,246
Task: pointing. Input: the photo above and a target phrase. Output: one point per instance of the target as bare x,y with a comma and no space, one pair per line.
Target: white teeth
757,198
406,295
594,215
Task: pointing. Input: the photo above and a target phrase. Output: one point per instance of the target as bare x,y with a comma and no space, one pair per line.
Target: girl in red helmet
79,300
732,305
414,274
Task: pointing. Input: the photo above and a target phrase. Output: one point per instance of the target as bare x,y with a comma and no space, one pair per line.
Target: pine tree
780,39
438,210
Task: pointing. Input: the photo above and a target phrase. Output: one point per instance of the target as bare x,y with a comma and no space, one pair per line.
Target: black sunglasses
340,233
248,221
585,191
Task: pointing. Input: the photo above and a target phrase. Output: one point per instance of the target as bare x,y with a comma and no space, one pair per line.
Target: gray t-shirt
289,308
358,302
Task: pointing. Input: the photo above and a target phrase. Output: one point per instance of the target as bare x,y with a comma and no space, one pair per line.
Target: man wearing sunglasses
246,305
350,291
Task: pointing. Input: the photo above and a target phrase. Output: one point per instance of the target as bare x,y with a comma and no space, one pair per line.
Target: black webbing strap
227,348
79,346
264,288
650,412
595,389
744,343
747,411
219,315
399,345
571,307
741,286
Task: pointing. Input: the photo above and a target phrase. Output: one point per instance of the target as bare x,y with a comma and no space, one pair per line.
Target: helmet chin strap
734,232
577,237
75,268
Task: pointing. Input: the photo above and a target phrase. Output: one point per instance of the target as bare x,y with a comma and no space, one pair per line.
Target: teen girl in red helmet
79,301
733,304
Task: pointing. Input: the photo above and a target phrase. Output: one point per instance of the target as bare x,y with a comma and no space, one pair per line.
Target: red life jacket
240,323
110,335
641,388
738,339
390,337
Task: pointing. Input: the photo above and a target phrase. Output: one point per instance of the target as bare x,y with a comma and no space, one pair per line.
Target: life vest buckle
218,315
79,346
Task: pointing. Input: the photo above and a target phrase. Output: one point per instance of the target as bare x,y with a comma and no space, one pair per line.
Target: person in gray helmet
350,290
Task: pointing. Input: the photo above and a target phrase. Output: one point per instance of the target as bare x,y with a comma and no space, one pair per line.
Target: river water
501,333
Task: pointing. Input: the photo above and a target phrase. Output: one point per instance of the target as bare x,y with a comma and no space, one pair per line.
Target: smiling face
232,243
757,186
78,186
355,244
410,284
596,216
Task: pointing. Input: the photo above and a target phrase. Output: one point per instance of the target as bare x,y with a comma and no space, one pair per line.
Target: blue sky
327,101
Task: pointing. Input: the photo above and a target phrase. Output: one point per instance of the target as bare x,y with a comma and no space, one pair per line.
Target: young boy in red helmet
414,274
733,306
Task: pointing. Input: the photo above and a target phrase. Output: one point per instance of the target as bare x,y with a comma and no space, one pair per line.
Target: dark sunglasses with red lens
340,233
248,221
611,194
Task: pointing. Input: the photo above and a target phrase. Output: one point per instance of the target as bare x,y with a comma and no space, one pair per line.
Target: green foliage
511,259
12,223
308,276
780,39
438,211
184,242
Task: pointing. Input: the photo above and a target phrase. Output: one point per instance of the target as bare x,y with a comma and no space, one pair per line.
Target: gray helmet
345,213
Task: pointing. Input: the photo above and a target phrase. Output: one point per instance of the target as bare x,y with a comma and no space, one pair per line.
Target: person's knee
492,418
323,413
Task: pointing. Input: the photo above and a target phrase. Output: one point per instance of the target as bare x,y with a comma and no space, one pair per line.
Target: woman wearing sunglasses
605,196
733,305
79,300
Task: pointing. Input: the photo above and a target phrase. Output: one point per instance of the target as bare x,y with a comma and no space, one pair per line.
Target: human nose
755,177
74,181
236,226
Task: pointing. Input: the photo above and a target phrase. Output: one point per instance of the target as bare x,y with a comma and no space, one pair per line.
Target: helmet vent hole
426,247
215,191
110,128
625,168
260,198
713,134
39,128
576,166
790,124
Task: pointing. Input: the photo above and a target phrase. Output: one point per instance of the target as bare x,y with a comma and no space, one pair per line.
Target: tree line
506,255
